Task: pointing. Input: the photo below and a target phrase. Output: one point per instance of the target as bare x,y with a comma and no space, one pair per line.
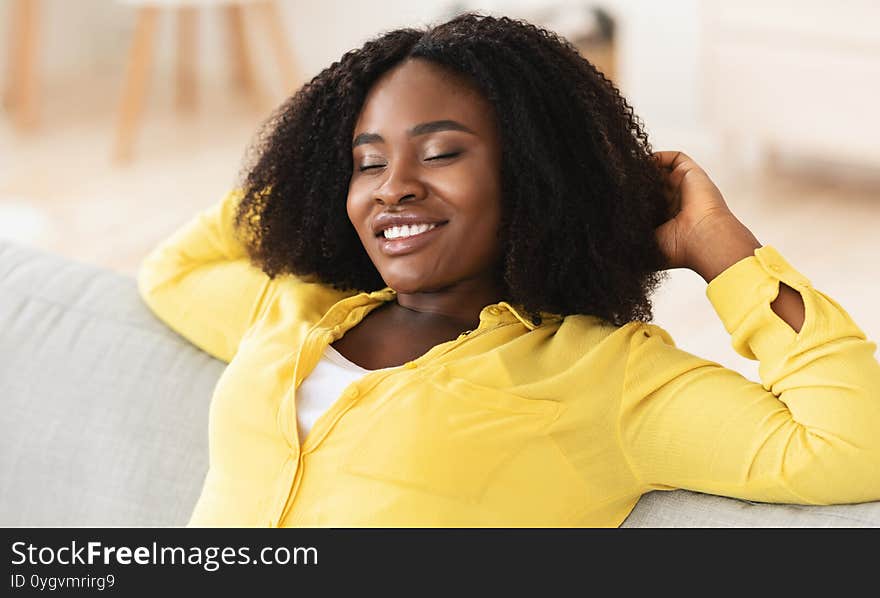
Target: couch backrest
104,409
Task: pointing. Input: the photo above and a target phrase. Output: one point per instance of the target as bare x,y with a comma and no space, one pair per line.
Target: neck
459,303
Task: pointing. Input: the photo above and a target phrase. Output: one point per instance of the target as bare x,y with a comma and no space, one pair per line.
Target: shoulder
600,329
306,300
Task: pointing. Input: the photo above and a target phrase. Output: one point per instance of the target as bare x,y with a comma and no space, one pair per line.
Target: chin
408,285
404,286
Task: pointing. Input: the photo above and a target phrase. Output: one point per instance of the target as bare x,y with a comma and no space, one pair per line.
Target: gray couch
105,412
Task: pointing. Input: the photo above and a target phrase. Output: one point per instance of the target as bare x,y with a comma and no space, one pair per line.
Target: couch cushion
104,409
682,508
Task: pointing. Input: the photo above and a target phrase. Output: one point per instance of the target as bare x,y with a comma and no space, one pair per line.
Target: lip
411,216
409,244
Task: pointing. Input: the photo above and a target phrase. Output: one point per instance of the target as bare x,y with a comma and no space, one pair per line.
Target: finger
679,165
671,158
677,174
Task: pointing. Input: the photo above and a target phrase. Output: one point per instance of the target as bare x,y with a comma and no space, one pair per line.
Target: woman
432,290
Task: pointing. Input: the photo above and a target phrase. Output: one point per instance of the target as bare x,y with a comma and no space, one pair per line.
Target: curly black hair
581,193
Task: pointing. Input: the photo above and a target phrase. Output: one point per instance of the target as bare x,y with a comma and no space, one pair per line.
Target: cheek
473,190
350,211
484,206
489,223
355,211
481,233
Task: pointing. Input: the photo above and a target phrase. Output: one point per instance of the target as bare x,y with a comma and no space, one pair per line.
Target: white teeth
407,230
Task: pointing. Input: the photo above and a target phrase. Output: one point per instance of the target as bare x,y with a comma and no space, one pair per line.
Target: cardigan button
410,365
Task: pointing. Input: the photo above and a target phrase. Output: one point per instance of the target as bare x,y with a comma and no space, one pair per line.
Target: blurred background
123,118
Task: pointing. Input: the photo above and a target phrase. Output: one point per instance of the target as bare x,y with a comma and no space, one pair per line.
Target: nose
401,184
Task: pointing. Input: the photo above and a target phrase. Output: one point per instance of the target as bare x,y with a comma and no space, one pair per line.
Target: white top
323,386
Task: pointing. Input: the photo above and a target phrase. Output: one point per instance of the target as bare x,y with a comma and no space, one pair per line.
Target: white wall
660,63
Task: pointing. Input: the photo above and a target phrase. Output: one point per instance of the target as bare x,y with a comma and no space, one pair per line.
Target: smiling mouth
408,231
403,245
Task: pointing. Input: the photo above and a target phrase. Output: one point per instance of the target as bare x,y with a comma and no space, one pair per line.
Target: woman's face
425,147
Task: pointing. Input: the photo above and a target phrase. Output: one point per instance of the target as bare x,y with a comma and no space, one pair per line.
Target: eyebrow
421,129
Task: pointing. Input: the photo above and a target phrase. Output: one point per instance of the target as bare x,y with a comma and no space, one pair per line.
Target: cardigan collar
491,314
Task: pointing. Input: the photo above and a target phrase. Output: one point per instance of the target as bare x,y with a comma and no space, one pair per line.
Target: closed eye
437,157
440,157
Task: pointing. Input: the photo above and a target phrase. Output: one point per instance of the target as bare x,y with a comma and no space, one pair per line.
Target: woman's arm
729,241
201,283
809,432
704,236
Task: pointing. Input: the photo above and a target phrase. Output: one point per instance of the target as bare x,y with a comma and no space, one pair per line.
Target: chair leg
135,85
290,72
187,49
242,76
21,84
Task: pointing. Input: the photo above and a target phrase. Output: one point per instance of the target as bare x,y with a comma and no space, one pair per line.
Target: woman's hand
702,234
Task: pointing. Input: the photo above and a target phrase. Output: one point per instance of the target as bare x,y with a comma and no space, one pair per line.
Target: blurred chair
140,55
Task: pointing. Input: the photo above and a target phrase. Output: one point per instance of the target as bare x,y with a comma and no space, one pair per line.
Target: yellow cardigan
511,425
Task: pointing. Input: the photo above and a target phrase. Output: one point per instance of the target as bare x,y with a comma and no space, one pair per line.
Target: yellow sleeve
809,433
201,283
